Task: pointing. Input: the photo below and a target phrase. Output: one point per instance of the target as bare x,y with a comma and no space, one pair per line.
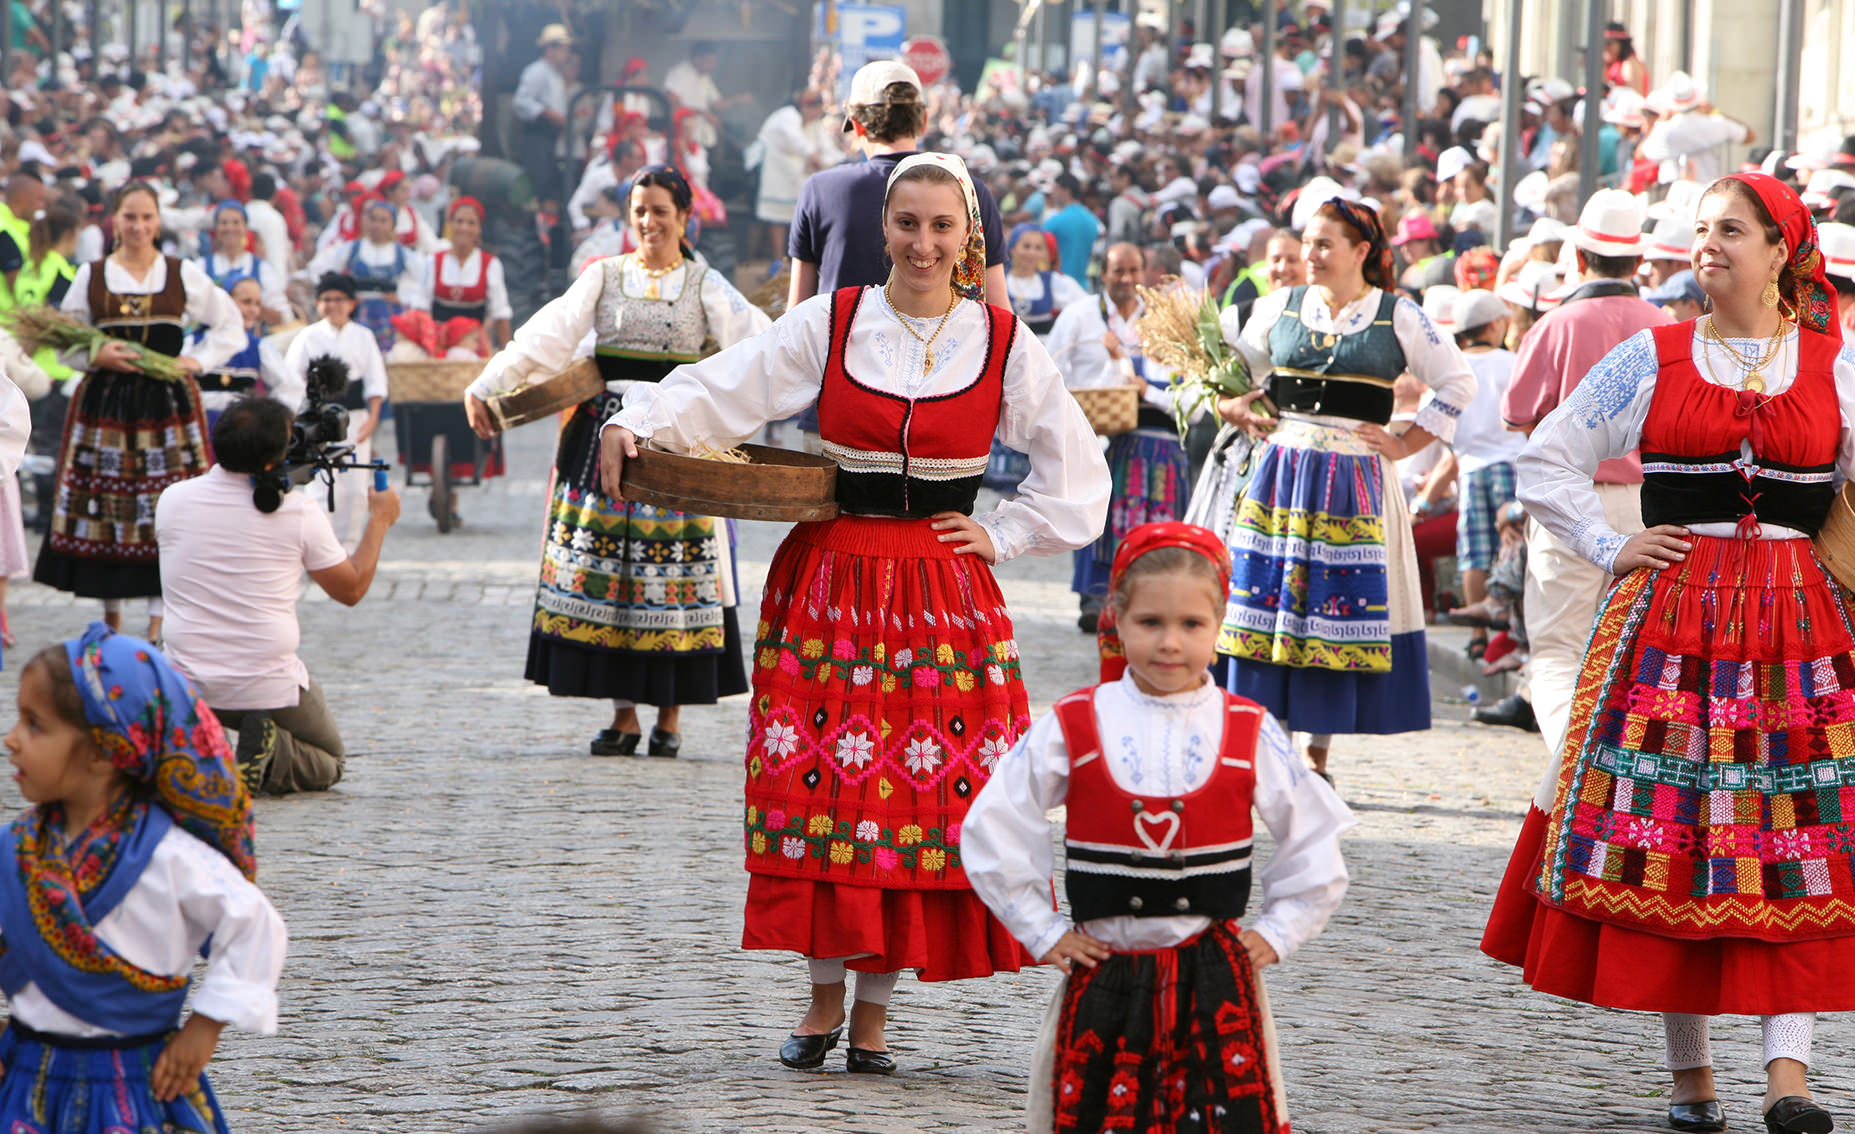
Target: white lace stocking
1686,1040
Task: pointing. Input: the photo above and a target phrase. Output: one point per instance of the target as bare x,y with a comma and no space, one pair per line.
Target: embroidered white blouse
723,399
418,297
207,304
554,335
188,892
1155,746
1604,418
1429,355
270,284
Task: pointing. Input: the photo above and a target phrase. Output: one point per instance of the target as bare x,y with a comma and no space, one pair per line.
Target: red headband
465,203
1145,538
1804,283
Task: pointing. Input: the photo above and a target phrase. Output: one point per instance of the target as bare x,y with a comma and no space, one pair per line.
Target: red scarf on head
1804,283
1145,538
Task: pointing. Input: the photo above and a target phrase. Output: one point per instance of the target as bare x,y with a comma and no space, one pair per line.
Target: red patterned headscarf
1145,538
1803,285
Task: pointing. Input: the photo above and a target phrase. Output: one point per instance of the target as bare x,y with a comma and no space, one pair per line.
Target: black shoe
1480,615
863,1061
257,744
806,1053
665,743
611,742
1794,1114
1704,1116
1514,712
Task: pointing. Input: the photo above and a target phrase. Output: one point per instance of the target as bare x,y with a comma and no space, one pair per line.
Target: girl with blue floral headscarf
136,853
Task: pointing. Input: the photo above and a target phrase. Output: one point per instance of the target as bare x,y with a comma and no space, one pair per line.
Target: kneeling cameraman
230,575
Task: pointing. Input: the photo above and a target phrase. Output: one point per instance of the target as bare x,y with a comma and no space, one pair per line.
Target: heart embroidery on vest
1146,821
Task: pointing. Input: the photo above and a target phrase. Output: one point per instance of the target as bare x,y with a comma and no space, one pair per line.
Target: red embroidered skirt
886,685
1167,1040
1700,853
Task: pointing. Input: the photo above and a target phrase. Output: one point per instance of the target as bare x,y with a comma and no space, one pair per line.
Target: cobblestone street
486,922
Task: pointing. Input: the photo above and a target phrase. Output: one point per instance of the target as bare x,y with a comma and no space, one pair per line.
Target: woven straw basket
1835,542
438,380
1110,409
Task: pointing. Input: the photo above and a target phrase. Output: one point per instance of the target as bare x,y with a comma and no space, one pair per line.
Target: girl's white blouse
207,304
187,893
725,398
1154,746
1604,417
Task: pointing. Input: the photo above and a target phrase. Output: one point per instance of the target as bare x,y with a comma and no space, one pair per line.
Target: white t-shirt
1697,139
1482,438
230,576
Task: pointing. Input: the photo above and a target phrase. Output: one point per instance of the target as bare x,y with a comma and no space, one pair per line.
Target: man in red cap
1563,589
1425,263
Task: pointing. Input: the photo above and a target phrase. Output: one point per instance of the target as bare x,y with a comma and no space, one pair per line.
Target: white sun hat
1837,243
1533,286
1439,303
1611,225
1673,239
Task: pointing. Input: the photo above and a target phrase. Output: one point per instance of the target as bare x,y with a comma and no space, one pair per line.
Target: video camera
318,439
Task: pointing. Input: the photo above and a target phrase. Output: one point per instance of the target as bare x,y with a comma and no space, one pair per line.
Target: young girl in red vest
886,683
1161,1024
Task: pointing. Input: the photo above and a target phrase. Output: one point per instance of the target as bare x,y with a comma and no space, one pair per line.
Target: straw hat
555,35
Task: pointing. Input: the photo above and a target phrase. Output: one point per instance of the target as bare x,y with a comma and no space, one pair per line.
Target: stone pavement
487,923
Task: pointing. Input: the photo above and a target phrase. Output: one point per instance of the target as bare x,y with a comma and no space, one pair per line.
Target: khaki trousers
309,754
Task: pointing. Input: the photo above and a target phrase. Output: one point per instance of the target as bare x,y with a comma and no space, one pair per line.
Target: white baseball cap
1611,225
1837,243
1532,286
1476,308
1545,230
1223,197
870,85
1452,161
1439,303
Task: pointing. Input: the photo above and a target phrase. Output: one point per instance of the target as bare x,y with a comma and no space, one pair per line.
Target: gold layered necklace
652,290
1754,367
927,344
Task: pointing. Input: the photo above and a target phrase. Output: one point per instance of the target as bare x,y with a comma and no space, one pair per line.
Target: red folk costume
1701,821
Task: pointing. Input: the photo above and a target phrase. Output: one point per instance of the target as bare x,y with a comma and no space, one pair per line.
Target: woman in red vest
886,680
1689,854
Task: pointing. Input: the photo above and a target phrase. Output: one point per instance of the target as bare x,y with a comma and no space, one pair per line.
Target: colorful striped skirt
1150,481
126,438
886,687
1701,820
94,1087
1324,626
634,602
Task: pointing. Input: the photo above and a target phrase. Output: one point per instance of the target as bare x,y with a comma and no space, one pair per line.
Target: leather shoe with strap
806,1053
1701,1117
1794,1114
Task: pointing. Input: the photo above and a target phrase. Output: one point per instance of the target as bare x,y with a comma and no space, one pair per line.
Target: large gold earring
1770,296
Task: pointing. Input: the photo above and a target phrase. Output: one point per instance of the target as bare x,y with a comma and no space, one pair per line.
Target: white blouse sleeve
77,296
498,298
270,287
724,398
1602,418
331,258
1063,503
548,340
285,385
1005,844
15,412
417,295
373,366
730,317
1433,359
1845,397
1064,291
249,940
1305,878
208,304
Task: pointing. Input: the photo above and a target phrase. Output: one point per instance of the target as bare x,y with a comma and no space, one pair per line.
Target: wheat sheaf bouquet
1180,331
39,327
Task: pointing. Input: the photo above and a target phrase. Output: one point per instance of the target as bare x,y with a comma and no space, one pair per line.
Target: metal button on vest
1182,904
1135,857
1177,856
1139,805
1178,805
1134,902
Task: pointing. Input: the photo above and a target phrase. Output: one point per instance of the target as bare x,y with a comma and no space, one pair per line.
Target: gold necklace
927,344
652,275
1753,367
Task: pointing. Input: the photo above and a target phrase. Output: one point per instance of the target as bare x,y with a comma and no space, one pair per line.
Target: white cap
1315,194
1108,83
1480,216
869,85
1679,93
1681,201
1202,56
1545,92
1530,191
1817,192
1238,42
1673,239
1452,161
1193,124
1611,224
1439,303
1622,107
1837,243
1223,197
1532,286
1476,308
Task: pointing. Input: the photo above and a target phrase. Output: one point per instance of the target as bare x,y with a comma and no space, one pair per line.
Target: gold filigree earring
1770,295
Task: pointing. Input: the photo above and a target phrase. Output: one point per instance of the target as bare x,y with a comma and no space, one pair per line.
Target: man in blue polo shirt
1074,227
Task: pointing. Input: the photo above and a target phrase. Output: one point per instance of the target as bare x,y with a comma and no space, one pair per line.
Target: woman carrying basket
886,680
1325,623
636,604
1687,854
128,434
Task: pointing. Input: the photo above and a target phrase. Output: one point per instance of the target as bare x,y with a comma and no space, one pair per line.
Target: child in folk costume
136,852
257,370
339,335
886,681
384,271
1161,1024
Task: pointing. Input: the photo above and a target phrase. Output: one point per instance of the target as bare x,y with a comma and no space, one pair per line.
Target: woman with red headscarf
1689,854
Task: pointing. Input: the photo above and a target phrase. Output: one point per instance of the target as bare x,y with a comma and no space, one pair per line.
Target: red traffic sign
929,58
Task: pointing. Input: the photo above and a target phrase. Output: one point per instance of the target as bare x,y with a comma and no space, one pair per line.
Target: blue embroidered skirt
1150,480
50,1088
1324,626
